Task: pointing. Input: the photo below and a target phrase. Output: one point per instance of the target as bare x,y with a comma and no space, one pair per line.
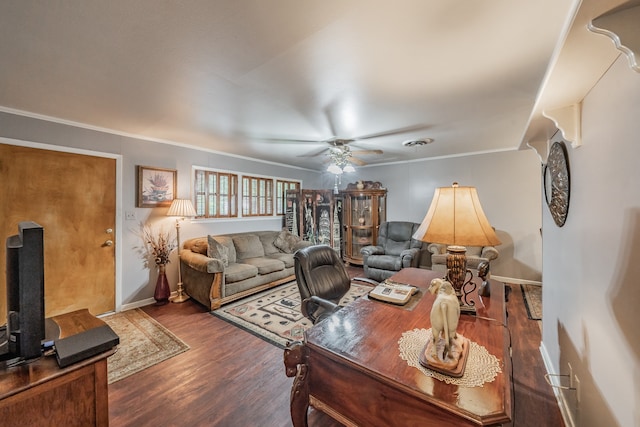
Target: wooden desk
350,368
41,394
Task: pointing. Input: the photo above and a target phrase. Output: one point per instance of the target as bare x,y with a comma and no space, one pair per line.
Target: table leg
295,361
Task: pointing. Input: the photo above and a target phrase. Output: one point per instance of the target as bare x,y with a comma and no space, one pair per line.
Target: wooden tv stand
41,393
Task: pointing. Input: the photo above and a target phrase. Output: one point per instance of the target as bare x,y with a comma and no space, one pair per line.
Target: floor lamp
180,208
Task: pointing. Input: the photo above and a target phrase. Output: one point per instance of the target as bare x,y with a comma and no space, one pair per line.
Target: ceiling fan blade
290,141
316,153
398,131
357,161
367,152
330,122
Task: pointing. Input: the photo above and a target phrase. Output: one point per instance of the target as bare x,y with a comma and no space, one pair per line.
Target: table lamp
456,219
180,208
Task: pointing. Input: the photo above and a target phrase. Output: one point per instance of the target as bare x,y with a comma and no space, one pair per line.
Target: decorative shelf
621,26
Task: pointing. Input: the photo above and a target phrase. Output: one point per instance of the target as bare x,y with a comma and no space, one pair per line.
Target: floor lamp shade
182,208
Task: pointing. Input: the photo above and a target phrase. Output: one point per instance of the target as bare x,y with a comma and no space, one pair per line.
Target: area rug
274,315
532,295
143,343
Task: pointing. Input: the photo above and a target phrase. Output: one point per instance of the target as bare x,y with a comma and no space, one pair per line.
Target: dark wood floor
229,377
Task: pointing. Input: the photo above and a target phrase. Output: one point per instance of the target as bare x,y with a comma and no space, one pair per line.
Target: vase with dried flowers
157,245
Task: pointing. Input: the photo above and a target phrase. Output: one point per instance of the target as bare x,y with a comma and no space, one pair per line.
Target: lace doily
482,367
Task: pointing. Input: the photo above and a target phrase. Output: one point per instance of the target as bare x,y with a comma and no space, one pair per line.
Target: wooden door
73,197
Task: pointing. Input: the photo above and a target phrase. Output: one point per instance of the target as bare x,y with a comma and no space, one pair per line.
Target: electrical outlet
130,216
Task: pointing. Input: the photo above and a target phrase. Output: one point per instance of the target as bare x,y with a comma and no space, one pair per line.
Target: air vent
417,142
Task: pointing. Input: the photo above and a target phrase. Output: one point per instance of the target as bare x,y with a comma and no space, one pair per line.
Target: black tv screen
25,291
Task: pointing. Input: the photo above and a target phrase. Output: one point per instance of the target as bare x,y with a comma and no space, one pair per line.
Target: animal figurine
445,314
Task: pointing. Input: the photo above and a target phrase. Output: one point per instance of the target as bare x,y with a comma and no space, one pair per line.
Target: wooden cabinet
39,393
315,216
364,208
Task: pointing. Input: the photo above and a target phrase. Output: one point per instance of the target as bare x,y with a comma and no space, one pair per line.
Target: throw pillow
218,250
285,241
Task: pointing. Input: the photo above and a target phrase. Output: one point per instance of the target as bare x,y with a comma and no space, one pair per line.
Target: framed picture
156,187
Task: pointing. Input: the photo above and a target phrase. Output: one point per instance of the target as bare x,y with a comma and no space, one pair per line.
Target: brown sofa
223,268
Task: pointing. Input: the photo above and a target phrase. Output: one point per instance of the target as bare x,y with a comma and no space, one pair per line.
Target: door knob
108,243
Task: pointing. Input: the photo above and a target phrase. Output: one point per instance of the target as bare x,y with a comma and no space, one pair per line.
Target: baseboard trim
555,381
515,281
137,304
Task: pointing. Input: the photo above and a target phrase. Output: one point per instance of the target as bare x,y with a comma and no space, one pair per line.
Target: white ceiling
243,76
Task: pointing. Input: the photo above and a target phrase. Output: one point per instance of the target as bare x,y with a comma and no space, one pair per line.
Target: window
216,194
281,194
257,196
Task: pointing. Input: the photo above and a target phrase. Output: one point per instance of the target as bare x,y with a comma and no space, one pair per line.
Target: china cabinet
314,215
364,208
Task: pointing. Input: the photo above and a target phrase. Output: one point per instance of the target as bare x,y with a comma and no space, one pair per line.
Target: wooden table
350,367
40,393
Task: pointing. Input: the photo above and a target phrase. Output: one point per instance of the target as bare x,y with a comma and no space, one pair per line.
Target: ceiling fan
341,154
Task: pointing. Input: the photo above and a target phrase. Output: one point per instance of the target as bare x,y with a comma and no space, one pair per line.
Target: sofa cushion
217,250
286,258
286,241
267,238
237,272
265,265
248,246
227,241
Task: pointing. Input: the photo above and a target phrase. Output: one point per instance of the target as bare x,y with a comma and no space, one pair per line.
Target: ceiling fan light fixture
348,168
335,169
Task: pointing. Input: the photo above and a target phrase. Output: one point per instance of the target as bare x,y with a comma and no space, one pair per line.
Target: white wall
509,187
591,273
136,282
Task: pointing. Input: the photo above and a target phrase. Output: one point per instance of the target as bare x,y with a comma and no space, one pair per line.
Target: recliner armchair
396,249
322,281
475,255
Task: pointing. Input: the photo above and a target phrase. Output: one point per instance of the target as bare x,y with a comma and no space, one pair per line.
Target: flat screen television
25,328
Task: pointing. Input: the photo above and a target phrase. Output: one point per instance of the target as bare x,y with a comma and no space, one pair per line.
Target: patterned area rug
143,343
274,315
532,300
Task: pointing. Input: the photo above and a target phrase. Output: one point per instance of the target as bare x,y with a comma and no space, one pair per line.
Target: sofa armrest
201,262
409,257
437,248
372,250
490,253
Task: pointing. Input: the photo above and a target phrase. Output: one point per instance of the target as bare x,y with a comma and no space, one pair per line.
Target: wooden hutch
364,208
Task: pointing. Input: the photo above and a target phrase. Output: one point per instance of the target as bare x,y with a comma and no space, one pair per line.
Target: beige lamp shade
182,208
455,217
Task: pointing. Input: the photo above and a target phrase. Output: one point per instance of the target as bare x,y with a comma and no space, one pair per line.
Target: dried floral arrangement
157,244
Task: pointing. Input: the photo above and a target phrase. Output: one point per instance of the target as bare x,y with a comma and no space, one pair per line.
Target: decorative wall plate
557,183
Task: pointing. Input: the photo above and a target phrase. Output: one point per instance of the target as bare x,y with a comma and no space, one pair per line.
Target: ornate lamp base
457,275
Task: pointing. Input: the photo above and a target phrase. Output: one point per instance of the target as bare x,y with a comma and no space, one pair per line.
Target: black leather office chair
322,281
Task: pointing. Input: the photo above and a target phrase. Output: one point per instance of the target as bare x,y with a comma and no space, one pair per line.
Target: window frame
263,203
230,192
